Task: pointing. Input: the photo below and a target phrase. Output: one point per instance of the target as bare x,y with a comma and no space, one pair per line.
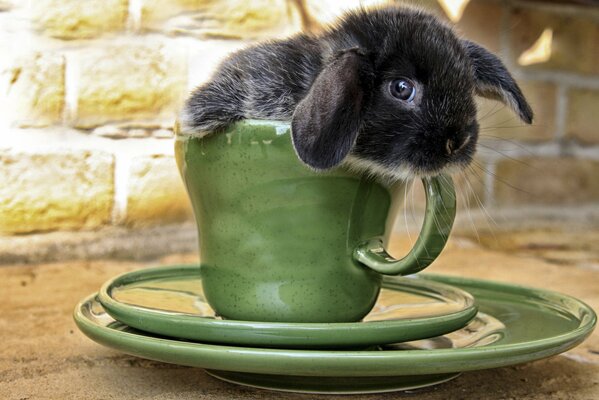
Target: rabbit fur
340,88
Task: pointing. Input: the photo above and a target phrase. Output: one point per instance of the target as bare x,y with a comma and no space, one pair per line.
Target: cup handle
438,220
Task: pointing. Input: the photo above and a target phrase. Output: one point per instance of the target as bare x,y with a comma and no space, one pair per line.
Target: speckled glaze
280,242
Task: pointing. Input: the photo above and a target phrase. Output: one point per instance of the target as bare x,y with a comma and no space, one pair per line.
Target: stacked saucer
422,331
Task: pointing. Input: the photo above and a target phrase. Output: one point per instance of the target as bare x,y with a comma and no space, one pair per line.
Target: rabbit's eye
403,90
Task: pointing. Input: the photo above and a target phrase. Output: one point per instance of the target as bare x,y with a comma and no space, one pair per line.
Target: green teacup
280,242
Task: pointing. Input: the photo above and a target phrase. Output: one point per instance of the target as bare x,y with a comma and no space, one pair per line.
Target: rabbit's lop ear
494,81
326,122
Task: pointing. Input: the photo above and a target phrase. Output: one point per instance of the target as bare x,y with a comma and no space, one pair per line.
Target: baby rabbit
388,90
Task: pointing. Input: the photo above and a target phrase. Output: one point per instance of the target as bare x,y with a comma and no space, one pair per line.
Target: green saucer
514,325
169,301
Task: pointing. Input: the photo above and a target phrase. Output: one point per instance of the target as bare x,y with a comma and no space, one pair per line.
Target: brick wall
555,161
89,90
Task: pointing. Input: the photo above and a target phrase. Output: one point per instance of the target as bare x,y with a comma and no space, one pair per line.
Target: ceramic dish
515,325
169,301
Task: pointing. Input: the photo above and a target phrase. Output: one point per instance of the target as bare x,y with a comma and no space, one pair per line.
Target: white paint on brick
71,87
134,15
122,169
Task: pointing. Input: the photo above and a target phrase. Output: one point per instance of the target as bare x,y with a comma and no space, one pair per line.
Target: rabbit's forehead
445,74
431,54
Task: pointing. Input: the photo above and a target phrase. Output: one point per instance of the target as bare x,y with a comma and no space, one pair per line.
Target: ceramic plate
169,301
514,325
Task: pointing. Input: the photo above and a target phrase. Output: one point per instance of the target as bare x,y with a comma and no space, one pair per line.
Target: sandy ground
44,356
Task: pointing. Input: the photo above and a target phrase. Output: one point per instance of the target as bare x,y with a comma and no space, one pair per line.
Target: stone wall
89,91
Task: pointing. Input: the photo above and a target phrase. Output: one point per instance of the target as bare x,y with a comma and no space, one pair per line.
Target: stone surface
531,180
130,81
40,192
76,19
499,121
45,356
575,38
582,115
577,247
156,194
36,89
224,19
113,242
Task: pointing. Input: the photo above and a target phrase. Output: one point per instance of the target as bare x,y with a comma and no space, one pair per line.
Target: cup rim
180,131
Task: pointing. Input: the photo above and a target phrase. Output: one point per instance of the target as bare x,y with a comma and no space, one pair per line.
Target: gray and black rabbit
387,90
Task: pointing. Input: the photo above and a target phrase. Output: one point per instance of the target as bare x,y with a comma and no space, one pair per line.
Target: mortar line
563,9
122,166
584,152
566,78
71,87
489,181
504,32
514,149
561,108
134,11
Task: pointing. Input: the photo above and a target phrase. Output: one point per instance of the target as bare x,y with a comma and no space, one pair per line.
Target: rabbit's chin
399,173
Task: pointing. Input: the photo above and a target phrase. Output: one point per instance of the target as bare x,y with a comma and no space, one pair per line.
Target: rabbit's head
396,96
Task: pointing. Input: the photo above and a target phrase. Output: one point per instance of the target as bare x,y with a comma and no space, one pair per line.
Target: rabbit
389,91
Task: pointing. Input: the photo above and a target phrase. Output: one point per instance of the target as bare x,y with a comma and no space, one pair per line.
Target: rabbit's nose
454,145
